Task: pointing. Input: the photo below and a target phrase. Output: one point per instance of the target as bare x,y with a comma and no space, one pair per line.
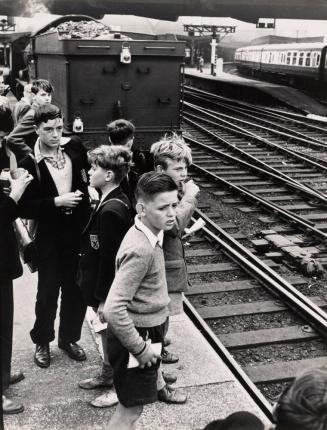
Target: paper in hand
133,362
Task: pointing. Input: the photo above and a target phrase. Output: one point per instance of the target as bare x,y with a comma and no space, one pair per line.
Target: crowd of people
123,257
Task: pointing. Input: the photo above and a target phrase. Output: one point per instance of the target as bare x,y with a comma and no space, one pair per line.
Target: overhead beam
246,10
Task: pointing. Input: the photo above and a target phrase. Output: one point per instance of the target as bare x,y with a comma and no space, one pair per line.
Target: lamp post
195,30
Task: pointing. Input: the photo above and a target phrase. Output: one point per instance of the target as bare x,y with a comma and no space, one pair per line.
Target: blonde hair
171,148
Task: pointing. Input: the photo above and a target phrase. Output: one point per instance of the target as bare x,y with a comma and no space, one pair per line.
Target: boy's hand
191,189
148,357
69,200
18,186
100,312
94,195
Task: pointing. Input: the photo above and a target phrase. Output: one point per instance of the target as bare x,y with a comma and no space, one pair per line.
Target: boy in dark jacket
101,239
23,137
121,132
57,199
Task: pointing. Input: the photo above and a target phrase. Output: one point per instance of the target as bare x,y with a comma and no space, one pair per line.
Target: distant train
292,62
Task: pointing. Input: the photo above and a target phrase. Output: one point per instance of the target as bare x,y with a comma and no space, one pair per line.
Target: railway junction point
53,400
282,93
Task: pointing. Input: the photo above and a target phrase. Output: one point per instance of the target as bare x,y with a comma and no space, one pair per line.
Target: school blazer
101,239
54,227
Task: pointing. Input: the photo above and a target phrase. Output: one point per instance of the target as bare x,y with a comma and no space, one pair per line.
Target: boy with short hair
57,199
173,157
137,304
100,241
23,137
121,132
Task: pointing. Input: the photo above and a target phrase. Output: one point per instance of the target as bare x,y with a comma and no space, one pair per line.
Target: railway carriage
292,61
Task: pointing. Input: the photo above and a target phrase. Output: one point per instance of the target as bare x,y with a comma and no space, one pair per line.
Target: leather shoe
42,355
73,350
105,400
170,395
9,407
168,357
16,377
96,382
169,378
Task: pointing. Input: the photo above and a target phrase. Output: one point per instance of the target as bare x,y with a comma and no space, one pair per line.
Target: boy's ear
109,176
140,208
158,168
36,129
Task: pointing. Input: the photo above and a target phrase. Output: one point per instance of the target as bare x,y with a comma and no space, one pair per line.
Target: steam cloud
36,6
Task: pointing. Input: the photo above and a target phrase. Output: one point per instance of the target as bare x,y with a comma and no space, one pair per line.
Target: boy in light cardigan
137,304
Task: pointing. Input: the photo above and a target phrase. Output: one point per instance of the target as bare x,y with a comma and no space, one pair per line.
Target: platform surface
283,93
53,400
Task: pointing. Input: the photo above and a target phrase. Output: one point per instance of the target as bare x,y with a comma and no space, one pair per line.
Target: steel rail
213,98
289,216
295,117
266,276
297,134
218,116
228,359
267,170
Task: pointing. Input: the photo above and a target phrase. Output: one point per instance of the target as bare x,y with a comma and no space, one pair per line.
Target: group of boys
122,268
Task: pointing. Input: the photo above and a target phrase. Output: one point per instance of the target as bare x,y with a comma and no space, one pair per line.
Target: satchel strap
117,200
37,169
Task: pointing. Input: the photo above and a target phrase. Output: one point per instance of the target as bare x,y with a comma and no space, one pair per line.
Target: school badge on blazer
94,241
84,175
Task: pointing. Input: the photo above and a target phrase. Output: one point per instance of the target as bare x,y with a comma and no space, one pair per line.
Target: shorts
134,386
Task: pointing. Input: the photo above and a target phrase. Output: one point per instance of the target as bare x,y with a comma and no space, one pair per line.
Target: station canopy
244,10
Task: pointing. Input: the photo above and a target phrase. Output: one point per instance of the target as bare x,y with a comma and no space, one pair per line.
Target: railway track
255,190
290,130
256,320
256,293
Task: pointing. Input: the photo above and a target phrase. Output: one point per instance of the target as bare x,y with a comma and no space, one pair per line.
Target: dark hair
115,158
152,183
6,121
303,405
120,131
241,420
41,84
46,113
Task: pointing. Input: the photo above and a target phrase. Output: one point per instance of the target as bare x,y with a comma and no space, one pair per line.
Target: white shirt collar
37,152
153,239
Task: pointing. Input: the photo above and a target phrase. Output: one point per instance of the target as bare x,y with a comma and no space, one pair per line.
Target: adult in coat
10,269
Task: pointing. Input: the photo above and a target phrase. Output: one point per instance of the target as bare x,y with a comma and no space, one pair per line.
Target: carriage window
288,61
301,58
308,59
294,59
318,59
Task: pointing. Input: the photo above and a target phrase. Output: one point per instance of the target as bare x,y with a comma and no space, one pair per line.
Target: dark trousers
58,272
6,329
